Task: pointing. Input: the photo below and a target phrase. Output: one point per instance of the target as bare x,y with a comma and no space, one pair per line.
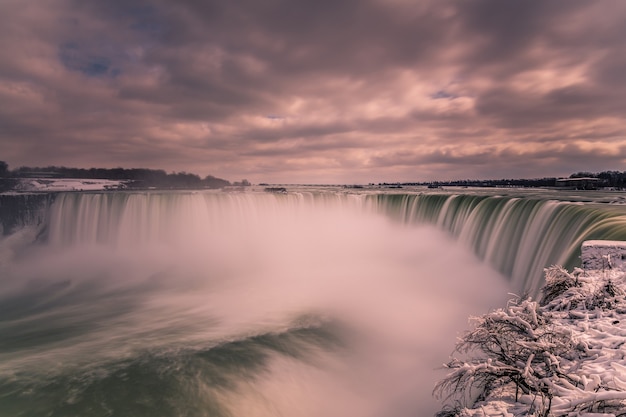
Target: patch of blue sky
75,58
442,94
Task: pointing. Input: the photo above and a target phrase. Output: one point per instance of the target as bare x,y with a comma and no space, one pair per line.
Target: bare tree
517,345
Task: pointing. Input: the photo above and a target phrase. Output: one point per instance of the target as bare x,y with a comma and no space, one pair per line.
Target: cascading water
518,236
217,304
259,304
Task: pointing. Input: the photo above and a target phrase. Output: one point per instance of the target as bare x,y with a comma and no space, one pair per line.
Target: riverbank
562,356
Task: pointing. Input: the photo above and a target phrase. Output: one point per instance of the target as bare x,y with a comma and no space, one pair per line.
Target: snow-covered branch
553,358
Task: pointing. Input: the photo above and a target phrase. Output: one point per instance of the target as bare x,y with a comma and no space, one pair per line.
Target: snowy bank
562,356
603,254
66,184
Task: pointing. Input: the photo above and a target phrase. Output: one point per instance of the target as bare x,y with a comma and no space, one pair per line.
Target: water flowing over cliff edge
516,234
305,303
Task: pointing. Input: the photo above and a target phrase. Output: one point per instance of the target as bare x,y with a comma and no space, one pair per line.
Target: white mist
192,270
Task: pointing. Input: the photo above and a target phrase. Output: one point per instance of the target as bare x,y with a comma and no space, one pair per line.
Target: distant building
579,183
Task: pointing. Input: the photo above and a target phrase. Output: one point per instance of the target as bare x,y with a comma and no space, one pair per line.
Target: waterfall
517,236
156,304
20,210
308,303
133,218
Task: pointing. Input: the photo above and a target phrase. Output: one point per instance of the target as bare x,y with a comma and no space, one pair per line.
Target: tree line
138,177
536,182
142,177
610,179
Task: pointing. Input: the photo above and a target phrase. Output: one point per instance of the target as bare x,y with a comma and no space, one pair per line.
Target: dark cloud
325,91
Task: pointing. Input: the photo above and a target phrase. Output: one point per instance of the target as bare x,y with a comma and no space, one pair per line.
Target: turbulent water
258,304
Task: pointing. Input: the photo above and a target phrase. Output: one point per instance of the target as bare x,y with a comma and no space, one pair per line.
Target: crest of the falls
516,235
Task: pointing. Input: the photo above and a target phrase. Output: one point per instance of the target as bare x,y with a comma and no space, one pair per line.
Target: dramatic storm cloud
316,91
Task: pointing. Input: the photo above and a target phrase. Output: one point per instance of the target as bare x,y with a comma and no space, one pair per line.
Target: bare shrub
558,281
517,345
607,297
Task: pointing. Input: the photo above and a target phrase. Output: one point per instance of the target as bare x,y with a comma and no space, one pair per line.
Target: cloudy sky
332,91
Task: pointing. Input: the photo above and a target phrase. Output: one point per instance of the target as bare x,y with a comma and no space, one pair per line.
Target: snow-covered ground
571,347
67,184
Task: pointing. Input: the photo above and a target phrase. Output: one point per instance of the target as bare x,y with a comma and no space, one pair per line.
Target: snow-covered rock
603,254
